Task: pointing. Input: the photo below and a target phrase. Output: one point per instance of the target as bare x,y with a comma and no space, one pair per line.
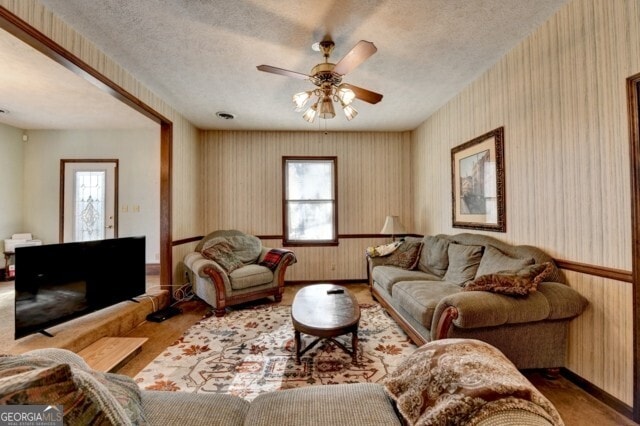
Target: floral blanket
462,382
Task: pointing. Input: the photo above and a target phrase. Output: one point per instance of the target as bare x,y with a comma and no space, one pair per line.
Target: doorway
89,200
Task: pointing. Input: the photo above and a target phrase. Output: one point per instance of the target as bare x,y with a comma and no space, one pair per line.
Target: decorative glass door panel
89,205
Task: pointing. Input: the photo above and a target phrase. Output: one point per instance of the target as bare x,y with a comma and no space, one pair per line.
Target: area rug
251,351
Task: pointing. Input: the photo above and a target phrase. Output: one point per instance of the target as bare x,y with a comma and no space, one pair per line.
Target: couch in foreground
475,286
452,381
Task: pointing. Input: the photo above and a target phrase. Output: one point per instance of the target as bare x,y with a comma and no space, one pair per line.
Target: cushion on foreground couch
453,381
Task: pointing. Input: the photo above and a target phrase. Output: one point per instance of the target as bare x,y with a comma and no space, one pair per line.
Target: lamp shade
392,226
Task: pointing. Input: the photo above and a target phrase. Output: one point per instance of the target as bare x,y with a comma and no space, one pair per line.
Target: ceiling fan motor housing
323,73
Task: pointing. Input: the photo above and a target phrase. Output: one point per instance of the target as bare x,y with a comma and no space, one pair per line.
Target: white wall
138,152
11,190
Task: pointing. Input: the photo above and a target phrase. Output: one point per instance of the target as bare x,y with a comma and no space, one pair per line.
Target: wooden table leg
354,345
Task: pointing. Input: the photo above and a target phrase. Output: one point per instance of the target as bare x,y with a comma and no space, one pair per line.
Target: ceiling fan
328,79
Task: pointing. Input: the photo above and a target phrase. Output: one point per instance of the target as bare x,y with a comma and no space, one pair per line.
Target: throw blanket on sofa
461,382
383,250
273,257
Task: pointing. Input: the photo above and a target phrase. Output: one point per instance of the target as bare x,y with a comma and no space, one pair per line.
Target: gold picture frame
477,183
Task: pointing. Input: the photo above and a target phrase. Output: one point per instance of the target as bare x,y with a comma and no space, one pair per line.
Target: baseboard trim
153,269
593,390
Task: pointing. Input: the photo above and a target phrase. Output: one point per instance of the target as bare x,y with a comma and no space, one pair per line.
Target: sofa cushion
420,298
406,256
493,261
359,404
434,258
516,283
387,276
250,276
455,381
182,408
463,263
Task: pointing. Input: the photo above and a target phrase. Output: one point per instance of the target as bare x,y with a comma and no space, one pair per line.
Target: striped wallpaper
243,190
560,96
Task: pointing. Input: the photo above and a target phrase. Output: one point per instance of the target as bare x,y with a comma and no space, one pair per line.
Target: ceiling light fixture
323,105
328,79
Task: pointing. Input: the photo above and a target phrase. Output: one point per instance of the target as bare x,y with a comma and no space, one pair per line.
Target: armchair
229,267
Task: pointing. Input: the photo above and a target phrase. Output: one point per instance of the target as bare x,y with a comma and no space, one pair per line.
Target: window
309,202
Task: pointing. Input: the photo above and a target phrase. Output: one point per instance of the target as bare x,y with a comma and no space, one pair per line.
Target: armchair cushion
250,276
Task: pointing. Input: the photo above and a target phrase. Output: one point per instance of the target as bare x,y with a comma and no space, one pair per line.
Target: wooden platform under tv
110,353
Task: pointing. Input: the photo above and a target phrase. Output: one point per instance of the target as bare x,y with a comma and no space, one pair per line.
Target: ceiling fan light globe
300,100
345,95
326,108
310,114
350,112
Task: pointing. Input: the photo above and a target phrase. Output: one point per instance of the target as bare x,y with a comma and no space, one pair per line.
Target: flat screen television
55,283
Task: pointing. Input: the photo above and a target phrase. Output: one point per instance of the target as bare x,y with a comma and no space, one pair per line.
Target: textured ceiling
38,93
201,55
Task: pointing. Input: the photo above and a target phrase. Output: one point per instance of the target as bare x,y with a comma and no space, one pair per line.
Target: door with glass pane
89,200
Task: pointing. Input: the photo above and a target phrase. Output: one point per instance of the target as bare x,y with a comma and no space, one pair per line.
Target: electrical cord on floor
183,293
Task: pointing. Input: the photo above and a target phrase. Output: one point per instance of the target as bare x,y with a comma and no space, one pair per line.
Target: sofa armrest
476,309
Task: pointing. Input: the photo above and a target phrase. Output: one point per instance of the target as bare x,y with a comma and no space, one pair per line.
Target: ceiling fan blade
360,52
364,94
287,73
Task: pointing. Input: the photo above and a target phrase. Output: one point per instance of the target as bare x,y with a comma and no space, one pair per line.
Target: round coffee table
325,311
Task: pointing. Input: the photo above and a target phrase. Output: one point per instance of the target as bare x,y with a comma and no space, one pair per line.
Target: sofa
475,286
454,381
229,267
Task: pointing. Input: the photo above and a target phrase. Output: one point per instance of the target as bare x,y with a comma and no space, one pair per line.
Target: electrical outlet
333,266
124,208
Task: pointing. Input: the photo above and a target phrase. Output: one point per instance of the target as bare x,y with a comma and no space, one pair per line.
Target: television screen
58,282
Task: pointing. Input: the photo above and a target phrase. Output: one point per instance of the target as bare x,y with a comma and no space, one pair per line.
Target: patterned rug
251,351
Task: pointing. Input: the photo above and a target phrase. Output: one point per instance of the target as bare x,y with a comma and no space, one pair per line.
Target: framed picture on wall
477,183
